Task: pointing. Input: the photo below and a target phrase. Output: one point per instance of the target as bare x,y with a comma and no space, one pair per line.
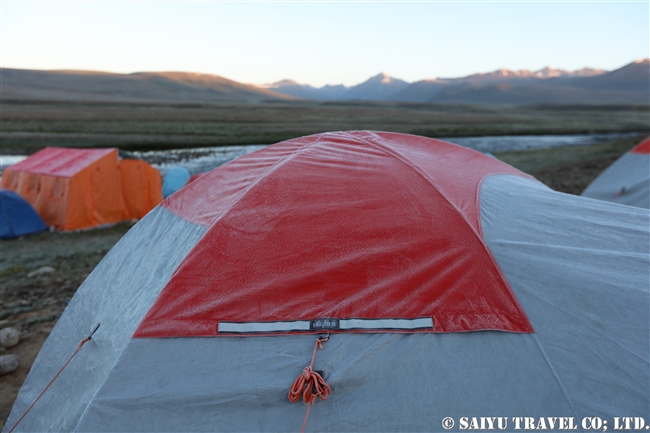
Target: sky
322,43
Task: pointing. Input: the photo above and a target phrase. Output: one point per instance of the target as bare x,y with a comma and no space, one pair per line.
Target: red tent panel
60,162
643,147
388,234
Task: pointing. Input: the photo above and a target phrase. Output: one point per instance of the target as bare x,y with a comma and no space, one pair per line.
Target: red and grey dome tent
450,285
627,180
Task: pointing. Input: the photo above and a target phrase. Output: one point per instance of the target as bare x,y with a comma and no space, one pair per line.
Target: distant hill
507,76
634,77
182,87
378,88
305,91
420,91
627,85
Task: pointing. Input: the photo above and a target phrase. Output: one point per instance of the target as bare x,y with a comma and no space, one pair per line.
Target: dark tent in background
18,218
450,284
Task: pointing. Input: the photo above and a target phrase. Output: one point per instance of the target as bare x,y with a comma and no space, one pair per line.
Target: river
206,158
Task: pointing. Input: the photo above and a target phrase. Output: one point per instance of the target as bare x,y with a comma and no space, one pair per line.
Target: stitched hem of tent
321,332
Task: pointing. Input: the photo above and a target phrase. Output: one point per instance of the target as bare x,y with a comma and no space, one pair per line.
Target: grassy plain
29,126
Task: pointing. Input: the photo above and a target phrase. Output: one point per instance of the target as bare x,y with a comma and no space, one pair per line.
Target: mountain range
627,85
385,87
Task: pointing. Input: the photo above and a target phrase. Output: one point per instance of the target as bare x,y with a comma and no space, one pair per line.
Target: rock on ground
8,363
42,270
9,337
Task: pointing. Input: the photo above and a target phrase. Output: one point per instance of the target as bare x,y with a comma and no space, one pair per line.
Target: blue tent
17,217
175,179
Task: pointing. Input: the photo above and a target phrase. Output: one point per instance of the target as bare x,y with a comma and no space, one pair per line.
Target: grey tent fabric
579,268
115,295
380,383
626,181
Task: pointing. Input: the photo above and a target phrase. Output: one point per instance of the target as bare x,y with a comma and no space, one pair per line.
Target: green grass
30,126
531,161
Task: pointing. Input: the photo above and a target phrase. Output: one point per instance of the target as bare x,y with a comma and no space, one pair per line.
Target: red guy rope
81,343
310,384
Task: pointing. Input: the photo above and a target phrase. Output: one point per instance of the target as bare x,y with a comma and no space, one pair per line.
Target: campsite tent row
82,188
450,283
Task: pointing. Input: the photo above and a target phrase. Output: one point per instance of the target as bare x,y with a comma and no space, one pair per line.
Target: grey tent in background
626,181
450,284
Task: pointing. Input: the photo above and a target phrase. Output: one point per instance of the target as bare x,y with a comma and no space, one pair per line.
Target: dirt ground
32,302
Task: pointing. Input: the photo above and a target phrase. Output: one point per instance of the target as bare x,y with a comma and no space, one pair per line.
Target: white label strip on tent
244,328
325,325
420,323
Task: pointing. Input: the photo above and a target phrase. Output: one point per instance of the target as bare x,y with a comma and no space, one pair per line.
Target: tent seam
576,412
92,398
259,179
131,339
479,237
430,181
478,193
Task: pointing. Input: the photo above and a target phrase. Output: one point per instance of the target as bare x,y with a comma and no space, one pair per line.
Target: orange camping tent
82,188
